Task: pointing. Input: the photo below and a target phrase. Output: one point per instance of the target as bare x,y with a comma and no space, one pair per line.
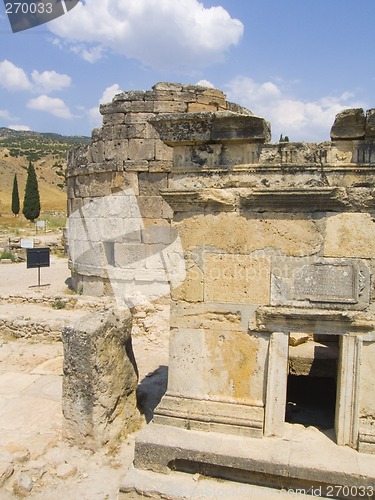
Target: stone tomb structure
273,323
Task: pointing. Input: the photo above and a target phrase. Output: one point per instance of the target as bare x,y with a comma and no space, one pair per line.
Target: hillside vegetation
47,152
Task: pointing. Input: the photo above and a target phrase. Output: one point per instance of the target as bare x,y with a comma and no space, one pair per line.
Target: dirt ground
34,460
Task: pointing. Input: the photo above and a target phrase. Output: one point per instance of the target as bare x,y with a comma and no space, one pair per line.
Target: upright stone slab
100,380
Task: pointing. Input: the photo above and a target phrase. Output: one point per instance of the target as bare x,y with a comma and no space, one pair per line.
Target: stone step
304,459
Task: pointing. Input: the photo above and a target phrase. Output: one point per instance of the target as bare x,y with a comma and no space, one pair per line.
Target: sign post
37,258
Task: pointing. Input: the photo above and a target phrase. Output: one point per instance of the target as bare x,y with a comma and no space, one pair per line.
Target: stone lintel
291,199
315,321
199,200
211,127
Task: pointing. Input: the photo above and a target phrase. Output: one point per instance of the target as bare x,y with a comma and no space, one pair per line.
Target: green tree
15,197
31,201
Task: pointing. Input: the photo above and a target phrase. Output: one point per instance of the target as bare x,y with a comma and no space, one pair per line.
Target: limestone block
128,255
324,283
86,186
100,379
210,93
74,204
298,339
95,286
370,124
107,132
236,108
162,151
238,279
142,107
214,155
137,131
167,212
97,134
141,149
151,206
349,124
214,100
129,95
170,107
132,118
160,165
350,235
114,119
232,233
77,157
150,131
70,187
209,316
119,132
167,86
214,365
109,150
131,182
121,149
136,166
96,152
211,127
115,107
191,290
151,183
366,384
198,107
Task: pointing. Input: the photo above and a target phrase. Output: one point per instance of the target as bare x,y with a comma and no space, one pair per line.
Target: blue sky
295,62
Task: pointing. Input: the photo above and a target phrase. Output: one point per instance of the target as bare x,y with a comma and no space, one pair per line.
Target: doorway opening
312,380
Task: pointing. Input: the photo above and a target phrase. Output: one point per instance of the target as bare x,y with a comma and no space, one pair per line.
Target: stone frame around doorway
352,331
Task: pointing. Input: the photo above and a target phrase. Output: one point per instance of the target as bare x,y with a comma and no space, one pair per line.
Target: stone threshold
303,459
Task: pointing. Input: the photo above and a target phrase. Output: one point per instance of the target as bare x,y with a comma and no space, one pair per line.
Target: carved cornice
285,319
222,126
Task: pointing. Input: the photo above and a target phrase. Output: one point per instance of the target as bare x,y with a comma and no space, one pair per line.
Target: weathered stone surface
350,235
100,379
302,282
349,124
207,127
6,470
242,279
370,124
231,233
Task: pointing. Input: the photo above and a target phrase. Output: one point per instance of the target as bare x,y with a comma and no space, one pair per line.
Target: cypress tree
31,201
15,197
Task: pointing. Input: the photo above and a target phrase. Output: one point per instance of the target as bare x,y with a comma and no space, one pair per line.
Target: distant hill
48,152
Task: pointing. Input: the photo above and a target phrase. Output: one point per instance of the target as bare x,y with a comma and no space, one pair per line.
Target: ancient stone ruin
267,251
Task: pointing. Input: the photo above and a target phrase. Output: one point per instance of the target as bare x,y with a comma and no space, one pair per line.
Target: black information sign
37,258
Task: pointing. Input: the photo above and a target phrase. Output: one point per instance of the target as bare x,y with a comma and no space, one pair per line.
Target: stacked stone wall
127,155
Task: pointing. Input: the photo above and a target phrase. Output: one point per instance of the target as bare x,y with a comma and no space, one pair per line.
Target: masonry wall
127,158
277,239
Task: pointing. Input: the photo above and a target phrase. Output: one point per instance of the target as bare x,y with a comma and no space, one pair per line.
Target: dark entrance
311,389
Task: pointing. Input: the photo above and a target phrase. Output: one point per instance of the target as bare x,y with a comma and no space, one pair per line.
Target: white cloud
52,105
6,115
109,93
159,33
206,83
19,127
49,81
298,119
12,77
90,55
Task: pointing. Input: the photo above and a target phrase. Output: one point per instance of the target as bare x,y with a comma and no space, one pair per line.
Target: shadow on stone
151,390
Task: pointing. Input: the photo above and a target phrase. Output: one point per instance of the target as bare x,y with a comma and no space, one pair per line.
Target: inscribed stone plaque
326,283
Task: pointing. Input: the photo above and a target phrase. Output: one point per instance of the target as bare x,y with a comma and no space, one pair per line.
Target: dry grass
52,198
